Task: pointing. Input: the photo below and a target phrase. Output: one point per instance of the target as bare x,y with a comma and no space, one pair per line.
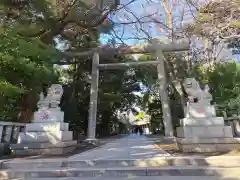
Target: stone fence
234,122
8,135
9,132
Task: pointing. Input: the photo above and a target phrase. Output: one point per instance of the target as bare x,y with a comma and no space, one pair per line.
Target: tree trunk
28,106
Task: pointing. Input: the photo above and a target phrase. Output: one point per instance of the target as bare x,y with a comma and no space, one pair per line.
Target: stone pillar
1,132
16,130
92,117
7,137
167,119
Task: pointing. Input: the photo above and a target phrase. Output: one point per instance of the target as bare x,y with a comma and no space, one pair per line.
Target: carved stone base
45,137
199,110
43,148
210,121
46,126
204,132
208,145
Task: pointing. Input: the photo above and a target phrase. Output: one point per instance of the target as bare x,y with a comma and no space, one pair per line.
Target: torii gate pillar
92,114
167,118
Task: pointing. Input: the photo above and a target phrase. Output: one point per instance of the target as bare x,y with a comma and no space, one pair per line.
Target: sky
144,8
140,8
237,57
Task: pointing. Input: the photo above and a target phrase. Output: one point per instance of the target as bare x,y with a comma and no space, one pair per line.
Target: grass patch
171,148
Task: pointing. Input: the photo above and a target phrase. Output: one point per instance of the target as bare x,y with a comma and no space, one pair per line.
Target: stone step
136,178
160,162
118,172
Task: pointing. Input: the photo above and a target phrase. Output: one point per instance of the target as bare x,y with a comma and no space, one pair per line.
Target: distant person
141,130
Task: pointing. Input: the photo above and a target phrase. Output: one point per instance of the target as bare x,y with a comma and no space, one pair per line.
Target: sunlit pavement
130,147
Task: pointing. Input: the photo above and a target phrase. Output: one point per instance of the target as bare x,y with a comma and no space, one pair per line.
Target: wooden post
92,118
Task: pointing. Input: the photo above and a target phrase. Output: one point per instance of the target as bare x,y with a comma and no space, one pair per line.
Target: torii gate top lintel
152,47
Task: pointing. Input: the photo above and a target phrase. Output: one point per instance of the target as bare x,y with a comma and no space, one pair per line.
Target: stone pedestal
48,134
201,130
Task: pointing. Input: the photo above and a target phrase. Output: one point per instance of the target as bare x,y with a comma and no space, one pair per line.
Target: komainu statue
195,93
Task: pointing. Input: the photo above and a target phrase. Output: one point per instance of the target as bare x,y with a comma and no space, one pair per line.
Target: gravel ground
169,145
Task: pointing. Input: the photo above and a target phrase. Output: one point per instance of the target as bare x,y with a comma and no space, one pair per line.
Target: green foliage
115,92
235,24
9,95
25,64
204,17
48,19
155,111
216,19
224,81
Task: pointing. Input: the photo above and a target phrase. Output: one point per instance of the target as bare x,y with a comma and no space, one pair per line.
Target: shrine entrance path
129,147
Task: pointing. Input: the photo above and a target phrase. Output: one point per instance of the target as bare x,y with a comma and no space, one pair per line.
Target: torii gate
155,46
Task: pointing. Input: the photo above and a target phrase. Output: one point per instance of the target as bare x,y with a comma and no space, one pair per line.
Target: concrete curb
114,172
122,163
138,178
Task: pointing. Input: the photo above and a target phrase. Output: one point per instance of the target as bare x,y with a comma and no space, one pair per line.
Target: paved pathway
130,147
127,148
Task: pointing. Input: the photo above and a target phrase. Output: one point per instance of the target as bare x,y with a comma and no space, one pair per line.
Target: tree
50,18
213,28
224,82
222,17
55,22
115,93
25,65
